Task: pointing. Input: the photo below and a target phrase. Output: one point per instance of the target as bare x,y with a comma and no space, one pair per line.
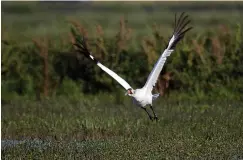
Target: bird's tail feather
155,96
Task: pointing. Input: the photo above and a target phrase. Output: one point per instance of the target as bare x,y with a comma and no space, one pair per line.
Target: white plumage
143,96
115,76
153,77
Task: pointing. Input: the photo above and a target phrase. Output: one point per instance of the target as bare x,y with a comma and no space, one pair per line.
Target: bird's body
143,97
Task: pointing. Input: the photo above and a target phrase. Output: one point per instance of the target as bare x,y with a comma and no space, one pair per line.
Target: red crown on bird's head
130,91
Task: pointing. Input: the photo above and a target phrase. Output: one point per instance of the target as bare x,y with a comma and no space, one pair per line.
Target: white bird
143,96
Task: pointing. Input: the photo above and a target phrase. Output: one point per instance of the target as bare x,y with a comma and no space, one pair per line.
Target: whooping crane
143,96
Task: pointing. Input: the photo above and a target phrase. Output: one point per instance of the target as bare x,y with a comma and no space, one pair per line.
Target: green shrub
202,64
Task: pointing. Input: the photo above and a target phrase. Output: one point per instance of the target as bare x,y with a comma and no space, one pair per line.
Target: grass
36,19
97,128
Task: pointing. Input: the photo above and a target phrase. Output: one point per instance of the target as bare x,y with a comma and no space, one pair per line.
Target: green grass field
97,128
86,118
26,20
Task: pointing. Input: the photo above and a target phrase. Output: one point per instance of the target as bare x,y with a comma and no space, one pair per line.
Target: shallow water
10,143
43,144
31,143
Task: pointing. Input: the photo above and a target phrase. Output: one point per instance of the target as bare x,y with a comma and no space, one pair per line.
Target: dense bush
204,63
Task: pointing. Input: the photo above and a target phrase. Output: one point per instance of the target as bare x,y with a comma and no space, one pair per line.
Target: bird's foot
156,118
151,118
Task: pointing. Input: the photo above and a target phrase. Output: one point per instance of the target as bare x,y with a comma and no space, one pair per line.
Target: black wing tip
181,24
82,48
180,28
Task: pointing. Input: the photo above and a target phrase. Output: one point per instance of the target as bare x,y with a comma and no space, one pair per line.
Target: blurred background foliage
39,60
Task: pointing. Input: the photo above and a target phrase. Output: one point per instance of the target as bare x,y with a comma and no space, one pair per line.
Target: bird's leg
155,116
150,117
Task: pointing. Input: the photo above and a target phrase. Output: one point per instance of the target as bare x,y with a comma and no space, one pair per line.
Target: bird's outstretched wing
82,48
179,32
